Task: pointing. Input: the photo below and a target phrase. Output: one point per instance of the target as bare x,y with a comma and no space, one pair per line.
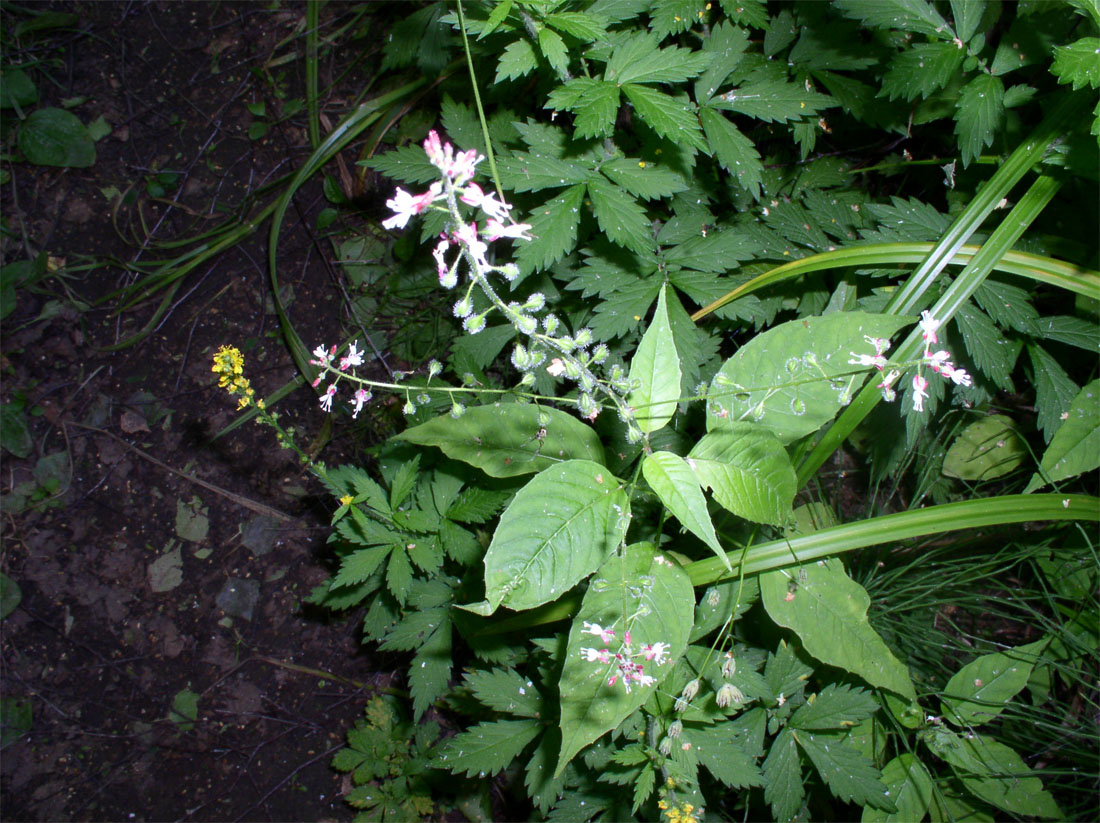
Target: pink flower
467,236
362,396
322,355
448,278
462,169
326,398
354,357
958,376
888,393
556,367
929,326
606,635
919,393
596,655
493,208
655,652
405,205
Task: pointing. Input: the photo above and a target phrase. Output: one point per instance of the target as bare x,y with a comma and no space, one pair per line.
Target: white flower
556,367
929,325
495,230
354,357
606,635
919,393
958,376
326,398
405,205
596,655
361,396
655,652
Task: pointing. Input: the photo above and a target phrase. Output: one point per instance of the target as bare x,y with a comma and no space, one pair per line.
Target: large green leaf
675,483
911,788
55,137
748,471
656,365
646,599
988,448
795,377
507,439
1075,447
828,611
993,772
980,690
556,531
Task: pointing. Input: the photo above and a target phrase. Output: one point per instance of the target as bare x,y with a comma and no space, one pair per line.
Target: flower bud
510,271
729,667
676,729
463,307
434,368
600,353
550,323
474,324
520,359
527,380
665,746
587,406
536,302
409,407
583,337
526,325
457,410
728,695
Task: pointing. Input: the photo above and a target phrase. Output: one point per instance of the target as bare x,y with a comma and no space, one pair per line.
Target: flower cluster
680,813
325,357
938,361
229,366
629,665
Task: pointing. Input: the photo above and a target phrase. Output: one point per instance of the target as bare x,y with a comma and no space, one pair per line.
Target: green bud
434,368
583,337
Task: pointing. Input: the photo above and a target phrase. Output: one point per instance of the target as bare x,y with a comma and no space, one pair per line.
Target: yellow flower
346,500
229,366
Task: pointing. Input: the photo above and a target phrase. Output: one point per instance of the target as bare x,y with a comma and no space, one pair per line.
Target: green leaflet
676,484
910,786
656,365
489,747
980,114
639,591
988,448
993,772
503,439
556,531
828,611
979,691
1075,447
748,471
795,377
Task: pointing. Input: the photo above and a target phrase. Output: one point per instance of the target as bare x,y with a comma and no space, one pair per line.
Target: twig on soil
259,508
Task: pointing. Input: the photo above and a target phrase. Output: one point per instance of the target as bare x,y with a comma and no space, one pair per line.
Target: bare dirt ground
145,592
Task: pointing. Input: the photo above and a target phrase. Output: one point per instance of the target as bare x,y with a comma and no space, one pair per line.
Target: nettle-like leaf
1078,63
794,378
922,69
637,59
509,439
718,251
430,669
672,118
620,217
554,228
487,748
1054,390
656,367
828,611
1075,447
517,60
642,179
748,471
835,707
594,102
637,591
536,170
848,774
918,16
726,45
733,150
673,481
555,532
723,749
911,788
782,772
993,354
980,115
505,690
772,99
584,27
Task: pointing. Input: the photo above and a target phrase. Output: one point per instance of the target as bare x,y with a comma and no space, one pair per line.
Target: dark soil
102,645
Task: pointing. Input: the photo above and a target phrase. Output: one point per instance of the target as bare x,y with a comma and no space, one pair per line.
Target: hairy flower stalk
464,242
938,361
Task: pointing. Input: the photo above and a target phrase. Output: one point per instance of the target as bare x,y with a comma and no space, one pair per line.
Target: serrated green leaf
585,27
721,748
644,784
404,480
1054,390
1078,63
553,49
718,251
415,629
828,611
556,531
532,171
542,787
835,707
748,471
916,16
656,367
794,377
406,164
993,772
772,99
360,565
596,108
675,16
727,45
676,485
642,179
907,220
922,69
1073,331
734,151
430,670
986,449
497,16
910,787
783,788
1008,306
487,748
503,439
636,592
624,311
399,575
637,59
994,356
554,227
1075,447
980,114
620,217
517,60
476,505
504,690
980,690
462,125
848,774
672,118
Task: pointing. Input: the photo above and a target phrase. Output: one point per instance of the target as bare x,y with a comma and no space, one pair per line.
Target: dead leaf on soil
131,423
166,572
192,522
